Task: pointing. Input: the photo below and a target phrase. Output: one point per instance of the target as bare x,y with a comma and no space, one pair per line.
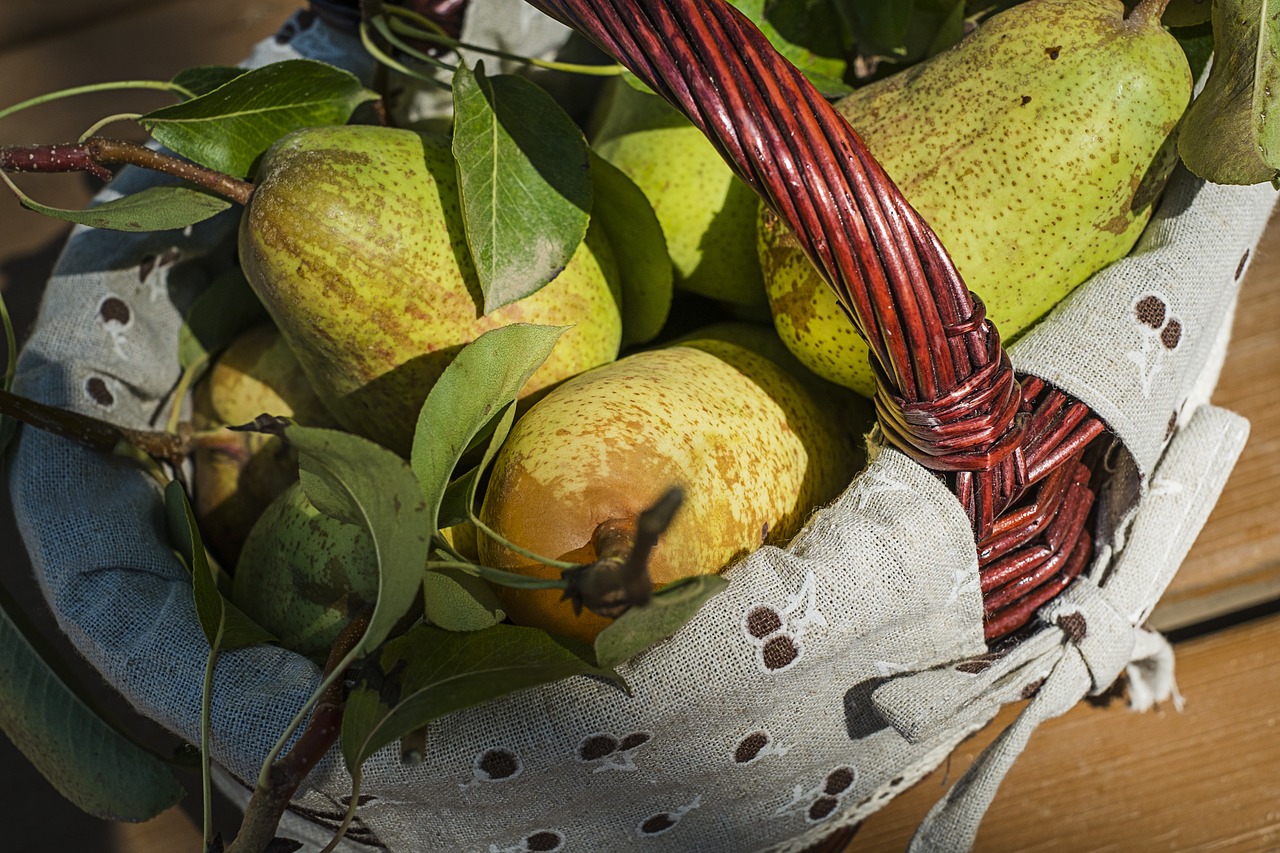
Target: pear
754,451
236,474
353,240
706,213
1034,148
303,575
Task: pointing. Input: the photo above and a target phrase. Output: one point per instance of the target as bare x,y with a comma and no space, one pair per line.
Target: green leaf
524,181
80,754
362,483
228,128
882,25
1186,13
641,627
457,601
1197,44
225,626
223,310
203,79
810,34
160,208
485,377
632,229
1231,132
428,672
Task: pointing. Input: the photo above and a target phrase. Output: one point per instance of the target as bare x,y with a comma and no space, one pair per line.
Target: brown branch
94,154
267,805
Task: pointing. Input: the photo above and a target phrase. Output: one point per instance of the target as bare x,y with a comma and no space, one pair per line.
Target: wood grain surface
1097,779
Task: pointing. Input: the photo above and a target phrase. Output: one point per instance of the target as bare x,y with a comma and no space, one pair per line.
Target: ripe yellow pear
1034,148
754,450
354,242
239,473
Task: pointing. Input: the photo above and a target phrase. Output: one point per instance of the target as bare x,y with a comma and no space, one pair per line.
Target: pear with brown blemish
1035,148
354,242
754,449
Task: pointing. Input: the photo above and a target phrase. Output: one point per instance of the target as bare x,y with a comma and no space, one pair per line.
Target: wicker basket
892,626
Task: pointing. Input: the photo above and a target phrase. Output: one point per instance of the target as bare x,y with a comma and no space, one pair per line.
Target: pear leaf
225,626
427,673
225,308
161,208
203,79
1231,132
229,127
632,229
88,761
357,481
641,627
809,34
882,26
486,376
524,181
1186,13
457,601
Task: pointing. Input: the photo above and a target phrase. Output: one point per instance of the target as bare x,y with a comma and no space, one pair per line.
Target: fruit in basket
707,214
754,450
303,575
354,242
237,475
1035,148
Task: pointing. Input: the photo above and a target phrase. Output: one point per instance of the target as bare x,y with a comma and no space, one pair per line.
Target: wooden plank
1235,562
1107,779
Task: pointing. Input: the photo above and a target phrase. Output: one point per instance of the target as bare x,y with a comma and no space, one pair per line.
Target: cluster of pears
353,243
1035,148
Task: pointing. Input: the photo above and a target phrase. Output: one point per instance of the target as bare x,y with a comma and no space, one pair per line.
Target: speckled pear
354,242
706,213
303,575
237,474
1035,148
754,450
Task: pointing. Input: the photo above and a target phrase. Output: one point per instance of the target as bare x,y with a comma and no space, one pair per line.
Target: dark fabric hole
839,780
596,746
763,621
822,807
1244,259
1074,625
750,747
114,310
658,823
97,390
498,764
780,652
544,842
634,740
1150,311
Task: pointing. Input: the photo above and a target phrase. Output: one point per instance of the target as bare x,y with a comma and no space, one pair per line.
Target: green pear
303,575
354,242
753,449
706,213
1034,148
236,474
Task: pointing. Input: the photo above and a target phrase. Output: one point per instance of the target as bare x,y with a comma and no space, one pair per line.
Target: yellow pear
237,474
753,449
354,242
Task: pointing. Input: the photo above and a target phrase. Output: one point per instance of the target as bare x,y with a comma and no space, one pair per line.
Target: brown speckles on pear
1031,201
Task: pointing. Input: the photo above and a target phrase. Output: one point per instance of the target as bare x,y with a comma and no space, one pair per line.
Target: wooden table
1100,778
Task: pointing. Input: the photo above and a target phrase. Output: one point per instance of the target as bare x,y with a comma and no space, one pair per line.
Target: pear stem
95,153
1147,13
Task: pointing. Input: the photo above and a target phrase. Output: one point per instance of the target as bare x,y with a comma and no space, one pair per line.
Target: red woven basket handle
947,393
